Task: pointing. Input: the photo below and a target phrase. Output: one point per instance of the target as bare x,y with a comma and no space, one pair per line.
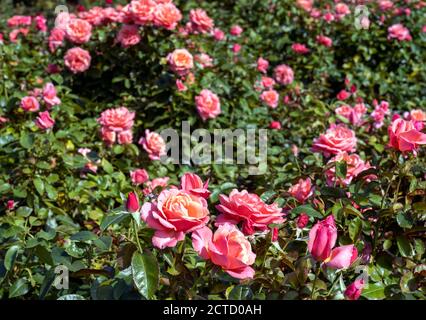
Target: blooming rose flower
299,48
139,176
267,82
354,166
322,238
125,137
342,257
49,95
77,60
354,290
248,208
227,248
337,138
128,36
17,21
284,74
204,59
200,21
379,113
385,5
236,48
270,98
180,61
56,39
78,31
218,34
154,144
142,11
10,204
192,184
180,85
208,104
41,23
108,135
30,104
95,15
404,136
167,16
44,121
342,10
302,190
419,117
343,95
118,119
173,214
276,125
236,30
13,36
354,115
262,65
325,41
112,15
398,31
306,5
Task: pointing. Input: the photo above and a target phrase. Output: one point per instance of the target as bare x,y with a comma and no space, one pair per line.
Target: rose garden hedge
339,212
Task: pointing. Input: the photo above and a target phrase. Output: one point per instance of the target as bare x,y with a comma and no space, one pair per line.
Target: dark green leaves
145,273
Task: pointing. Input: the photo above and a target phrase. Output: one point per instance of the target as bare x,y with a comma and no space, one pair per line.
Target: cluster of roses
21,25
31,103
182,210
117,125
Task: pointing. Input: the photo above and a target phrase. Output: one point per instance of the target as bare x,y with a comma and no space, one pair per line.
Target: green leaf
11,254
26,140
145,273
107,166
19,288
404,246
113,219
39,185
404,220
84,236
355,228
374,291
307,208
341,169
240,293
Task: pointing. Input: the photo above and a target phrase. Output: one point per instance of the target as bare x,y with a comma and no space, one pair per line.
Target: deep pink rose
322,239
227,248
132,203
325,41
236,30
284,74
77,60
49,95
354,290
44,121
139,176
302,220
405,136
343,95
299,48
192,183
337,138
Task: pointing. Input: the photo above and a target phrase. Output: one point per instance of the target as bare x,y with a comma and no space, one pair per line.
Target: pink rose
139,176
299,48
77,60
236,30
208,104
385,5
49,95
108,135
398,31
192,184
236,48
354,290
17,21
41,23
322,238
218,34
405,136
180,61
249,209
79,31
302,220
118,119
354,115
306,5
167,16
200,21
342,10
157,182
30,104
95,16
175,213
128,36
142,11
204,60
181,86
342,257
44,121
343,95
276,125
227,248
302,190
337,138
125,137
270,98
154,144
325,41
284,74
354,166
262,65
56,39
132,203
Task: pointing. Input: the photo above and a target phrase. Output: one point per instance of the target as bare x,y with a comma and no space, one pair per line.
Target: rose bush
84,96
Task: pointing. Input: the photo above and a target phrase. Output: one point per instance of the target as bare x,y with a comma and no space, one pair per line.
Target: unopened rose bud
132,204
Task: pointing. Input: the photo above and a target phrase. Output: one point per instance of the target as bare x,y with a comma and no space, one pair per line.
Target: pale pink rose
44,121
262,65
49,95
154,144
167,16
342,257
94,16
118,119
337,138
200,21
398,31
90,167
302,190
418,115
108,136
157,182
174,213
379,113
77,60
84,151
404,136
342,10
17,21
111,15
180,61
3,120
270,98
385,5
208,104
56,39
41,23
249,209
78,31
299,48
267,82
236,30
227,248
284,74
30,104
142,11
306,5
218,34
125,137
181,86
354,115
62,20
325,41
354,166
204,60
139,176
192,183
128,36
